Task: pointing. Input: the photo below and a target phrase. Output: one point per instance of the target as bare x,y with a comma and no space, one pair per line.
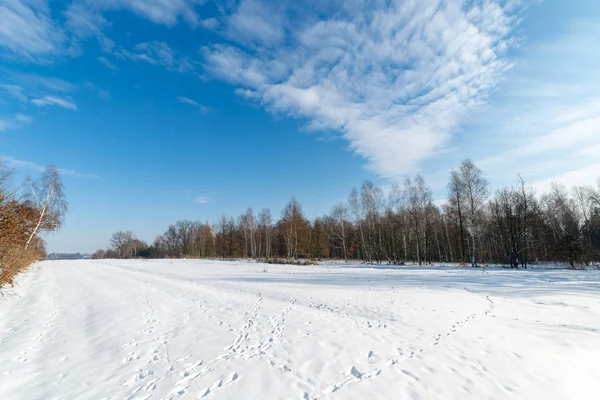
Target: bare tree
295,228
357,212
123,242
337,228
5,174
456,206
48,197
222,232
266,225
475,190
560,213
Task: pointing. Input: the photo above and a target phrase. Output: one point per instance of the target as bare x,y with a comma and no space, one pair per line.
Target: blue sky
159,110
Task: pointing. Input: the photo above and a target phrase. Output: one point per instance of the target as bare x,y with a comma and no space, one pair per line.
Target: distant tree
295,229
511,211
266,226
337,229
99,254
123,244
319,246
110,253
561,216
221,232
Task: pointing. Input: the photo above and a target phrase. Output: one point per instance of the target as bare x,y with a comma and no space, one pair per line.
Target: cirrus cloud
28,32
55,101
395,77
186,100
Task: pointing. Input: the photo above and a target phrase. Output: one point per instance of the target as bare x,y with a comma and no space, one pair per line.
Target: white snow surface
195,329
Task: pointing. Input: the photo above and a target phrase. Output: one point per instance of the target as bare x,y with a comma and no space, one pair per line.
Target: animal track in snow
275,334
223,381
355,376
191,373
236,349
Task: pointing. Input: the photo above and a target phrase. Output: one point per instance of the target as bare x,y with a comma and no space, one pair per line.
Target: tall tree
266,225
48,197
295,228
475,188
337,229
456,204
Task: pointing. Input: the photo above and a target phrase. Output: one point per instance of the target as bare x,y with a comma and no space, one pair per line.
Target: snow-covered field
190,329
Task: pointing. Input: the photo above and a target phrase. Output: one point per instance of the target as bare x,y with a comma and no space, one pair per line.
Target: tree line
26,212
511,226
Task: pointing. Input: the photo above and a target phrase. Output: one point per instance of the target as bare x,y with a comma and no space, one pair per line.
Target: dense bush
23,216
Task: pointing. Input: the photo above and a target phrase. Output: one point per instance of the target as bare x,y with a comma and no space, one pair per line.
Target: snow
196,329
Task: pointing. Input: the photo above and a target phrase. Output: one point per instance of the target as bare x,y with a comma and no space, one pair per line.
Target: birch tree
266,225
48,197
474,187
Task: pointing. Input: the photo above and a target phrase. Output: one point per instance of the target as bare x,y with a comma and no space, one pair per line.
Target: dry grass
14,259
287,261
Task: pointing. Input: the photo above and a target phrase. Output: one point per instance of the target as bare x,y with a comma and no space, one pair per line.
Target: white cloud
102,93
39,83
157,53
203,200
12,162
108,64
83,23
55,101
253,22
167,12
587,175
545,123
28,32
23,118
209,23
187,100
37,89
14,122
14,90
396,78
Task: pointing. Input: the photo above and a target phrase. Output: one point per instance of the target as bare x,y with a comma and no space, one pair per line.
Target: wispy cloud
36,83
187,100
28,32
12,162
546,117
166,12
23,118
15,91
82,22
54,101
108,64
203,200
396,78
102,93
210,23
15,122
43,91
31,32
254,21
157,53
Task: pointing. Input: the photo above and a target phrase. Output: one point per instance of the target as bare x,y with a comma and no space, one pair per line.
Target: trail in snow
190,329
